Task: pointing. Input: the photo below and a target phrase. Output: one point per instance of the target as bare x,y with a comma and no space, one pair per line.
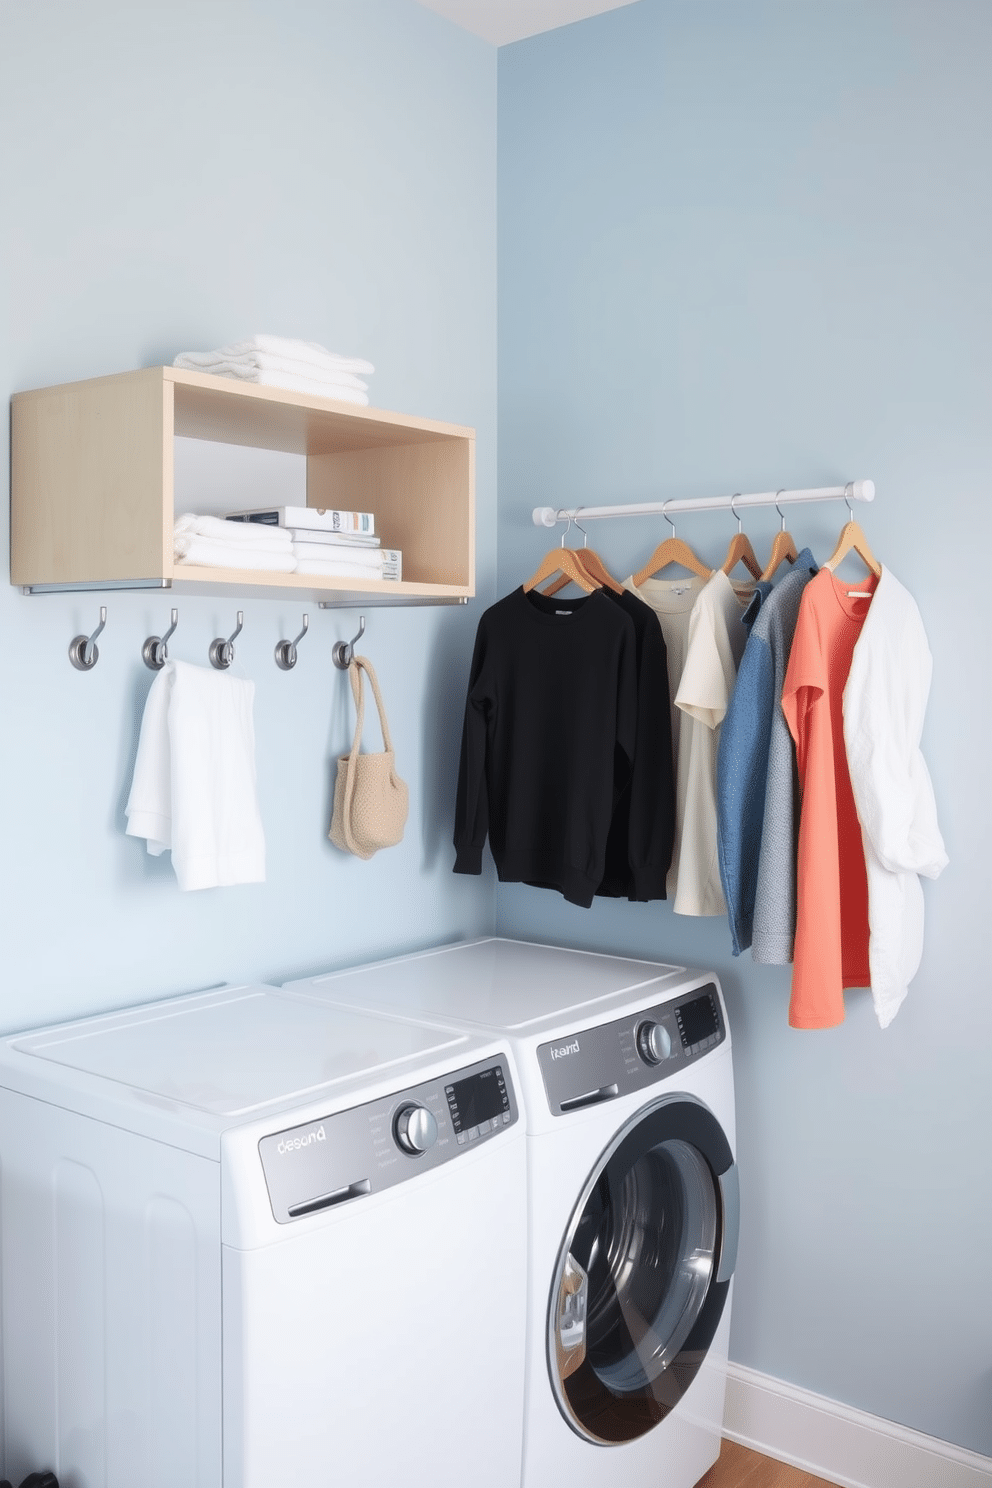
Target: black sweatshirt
548,741
642,834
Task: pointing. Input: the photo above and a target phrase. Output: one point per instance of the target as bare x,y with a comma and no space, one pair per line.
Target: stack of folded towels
212,542
344,562
281,362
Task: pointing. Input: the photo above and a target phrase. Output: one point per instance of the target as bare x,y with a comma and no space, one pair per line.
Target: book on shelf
339,540
313,518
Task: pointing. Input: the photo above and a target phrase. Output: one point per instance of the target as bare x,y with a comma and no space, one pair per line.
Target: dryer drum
646,1236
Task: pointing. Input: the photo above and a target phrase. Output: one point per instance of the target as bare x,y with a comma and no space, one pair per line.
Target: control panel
631,1053
371,1147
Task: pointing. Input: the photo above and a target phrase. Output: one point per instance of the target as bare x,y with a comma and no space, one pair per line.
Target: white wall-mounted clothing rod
859,490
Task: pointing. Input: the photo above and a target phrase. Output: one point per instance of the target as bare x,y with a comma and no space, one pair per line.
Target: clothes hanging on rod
802,804
885,700
716,641
701,623
757,782
831,945
548,740
672,601
642,831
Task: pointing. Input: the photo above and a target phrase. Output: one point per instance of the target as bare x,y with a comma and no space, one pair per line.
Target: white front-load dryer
633,1200
247,1242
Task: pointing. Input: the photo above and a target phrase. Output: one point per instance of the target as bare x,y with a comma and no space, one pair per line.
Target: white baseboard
839,1443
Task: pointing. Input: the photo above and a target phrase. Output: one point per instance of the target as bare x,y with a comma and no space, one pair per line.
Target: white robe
885,698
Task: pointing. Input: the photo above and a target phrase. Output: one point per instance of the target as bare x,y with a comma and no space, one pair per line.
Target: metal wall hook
155,651
221,651
84,653
343,652
286,650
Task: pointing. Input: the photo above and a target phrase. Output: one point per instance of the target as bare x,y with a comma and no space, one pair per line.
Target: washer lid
235,1050
504,984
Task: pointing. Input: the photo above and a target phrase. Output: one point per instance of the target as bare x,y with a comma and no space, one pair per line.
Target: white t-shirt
716,640
673,601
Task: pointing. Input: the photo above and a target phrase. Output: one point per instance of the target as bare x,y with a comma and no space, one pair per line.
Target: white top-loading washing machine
246,1240
628,1087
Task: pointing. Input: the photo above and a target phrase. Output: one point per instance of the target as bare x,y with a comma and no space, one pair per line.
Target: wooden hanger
672,550
782,548
561,561
852,539
594,567
740,550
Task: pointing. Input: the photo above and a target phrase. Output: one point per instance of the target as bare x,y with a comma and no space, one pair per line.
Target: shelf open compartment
92,499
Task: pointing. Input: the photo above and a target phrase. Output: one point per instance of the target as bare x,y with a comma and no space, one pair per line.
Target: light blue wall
744,247
174,176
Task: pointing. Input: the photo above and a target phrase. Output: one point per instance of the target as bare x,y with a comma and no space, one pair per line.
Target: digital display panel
698,1020
478,1098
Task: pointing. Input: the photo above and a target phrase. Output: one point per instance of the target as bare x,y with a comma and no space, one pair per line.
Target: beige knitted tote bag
370,800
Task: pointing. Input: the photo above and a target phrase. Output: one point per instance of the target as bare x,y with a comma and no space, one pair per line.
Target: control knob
415,1129
654,1042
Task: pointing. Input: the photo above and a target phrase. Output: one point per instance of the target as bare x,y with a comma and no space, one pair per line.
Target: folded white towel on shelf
255,534
272,349
281,362
338,568
194,787
250,368
370,558
287,381
207,552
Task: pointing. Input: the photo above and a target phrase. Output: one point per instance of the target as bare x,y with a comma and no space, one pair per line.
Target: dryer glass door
643,1272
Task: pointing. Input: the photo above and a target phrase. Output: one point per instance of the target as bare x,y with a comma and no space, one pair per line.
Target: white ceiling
500,21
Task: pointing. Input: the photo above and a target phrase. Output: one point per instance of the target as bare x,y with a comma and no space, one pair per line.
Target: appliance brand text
293,1144
562,1051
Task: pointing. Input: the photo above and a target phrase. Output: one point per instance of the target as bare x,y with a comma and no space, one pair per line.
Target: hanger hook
222,652
734,510
155,651
286,650
664,513
568,519
778,508
83,650
343,652
585,535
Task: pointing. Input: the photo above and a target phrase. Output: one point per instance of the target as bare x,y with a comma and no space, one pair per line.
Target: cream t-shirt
672,601
716,638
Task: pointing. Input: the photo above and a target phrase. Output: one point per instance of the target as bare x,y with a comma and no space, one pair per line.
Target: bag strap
355,669
362,664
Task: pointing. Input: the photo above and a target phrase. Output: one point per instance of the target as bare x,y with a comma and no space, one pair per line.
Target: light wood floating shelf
92,502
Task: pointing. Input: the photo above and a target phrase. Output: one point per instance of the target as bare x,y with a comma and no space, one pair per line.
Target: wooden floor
738,1467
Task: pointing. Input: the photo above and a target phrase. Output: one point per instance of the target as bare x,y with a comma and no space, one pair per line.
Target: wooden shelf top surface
226,411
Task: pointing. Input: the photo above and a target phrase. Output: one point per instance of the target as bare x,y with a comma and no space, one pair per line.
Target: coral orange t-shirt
831,950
